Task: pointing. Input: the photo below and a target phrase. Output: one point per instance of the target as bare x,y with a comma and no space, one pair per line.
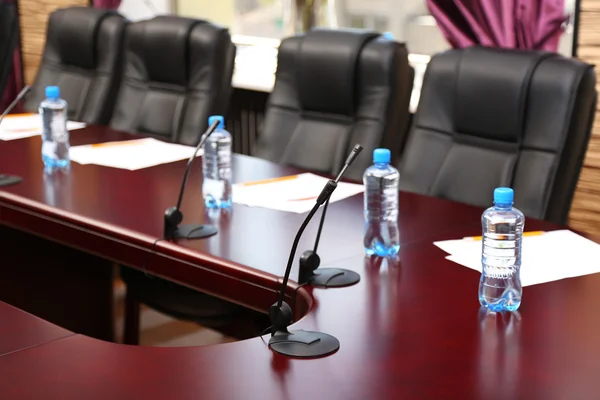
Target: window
408,20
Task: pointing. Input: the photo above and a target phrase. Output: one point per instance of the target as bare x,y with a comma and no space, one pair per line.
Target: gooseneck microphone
310,260
302,344
174,216
6,180
16,101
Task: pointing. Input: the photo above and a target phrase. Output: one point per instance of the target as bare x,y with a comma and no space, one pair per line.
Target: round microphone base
7,180
333,277
195,231
304,344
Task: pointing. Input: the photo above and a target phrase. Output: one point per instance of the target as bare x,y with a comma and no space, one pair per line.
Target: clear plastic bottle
381,181
216,167
55,136
500,284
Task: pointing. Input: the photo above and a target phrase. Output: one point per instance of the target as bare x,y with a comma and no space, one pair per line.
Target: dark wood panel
62,285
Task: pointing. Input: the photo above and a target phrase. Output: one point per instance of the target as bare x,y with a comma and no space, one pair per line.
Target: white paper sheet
549,257
295,193
21,126
132,154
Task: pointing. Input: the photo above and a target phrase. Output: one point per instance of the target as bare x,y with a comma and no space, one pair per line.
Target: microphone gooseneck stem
355,152
323,198
16,101
344,168
323,213
203,139
288,268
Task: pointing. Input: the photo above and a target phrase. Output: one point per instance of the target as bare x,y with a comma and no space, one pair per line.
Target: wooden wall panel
33,16
585,211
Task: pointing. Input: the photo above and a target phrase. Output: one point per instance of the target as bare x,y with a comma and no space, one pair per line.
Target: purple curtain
14,83
517,24
108,4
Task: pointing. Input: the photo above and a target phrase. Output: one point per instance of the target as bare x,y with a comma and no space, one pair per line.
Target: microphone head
355,152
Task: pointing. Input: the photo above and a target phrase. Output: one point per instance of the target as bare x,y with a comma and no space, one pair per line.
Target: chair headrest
161,44
327,67
491,92
76,33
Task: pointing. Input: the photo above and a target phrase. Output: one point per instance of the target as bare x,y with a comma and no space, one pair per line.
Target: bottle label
58,129
494,252
500,257
214,187
498,248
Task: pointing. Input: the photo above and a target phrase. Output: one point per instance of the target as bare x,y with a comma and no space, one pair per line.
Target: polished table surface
20,330
411,328
119,214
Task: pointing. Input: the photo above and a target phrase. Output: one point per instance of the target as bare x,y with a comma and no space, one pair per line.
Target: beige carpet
160,330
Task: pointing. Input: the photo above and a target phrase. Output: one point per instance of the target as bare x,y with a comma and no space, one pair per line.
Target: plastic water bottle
216,166
381,181
55,137
500,285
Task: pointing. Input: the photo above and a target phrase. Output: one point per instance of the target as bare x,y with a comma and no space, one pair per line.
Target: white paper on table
295,193
131,154
549,257
21,126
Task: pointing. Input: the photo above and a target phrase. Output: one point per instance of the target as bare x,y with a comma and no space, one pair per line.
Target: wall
136,10
585,211
33,16
219,11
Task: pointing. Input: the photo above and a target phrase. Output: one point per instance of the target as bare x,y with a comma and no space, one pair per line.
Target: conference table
411,328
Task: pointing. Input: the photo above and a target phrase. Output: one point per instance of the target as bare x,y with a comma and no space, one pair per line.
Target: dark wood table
118,215
20,330
409,329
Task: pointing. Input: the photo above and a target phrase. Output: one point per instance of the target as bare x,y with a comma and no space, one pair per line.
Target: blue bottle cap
219,118
52,92
504,195
388,35
381,156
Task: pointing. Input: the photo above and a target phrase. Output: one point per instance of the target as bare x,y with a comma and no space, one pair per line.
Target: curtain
108,4
14,84
518,24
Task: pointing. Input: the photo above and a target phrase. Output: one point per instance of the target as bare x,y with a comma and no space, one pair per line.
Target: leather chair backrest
492,117
333,89
84,57
9,28
177,73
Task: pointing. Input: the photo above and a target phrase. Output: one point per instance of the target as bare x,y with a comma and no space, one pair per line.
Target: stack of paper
131,154
295,193
21,126
548,257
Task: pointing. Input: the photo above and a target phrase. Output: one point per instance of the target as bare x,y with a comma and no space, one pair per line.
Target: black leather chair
333,89
9,32
177,73
84,57
492,117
